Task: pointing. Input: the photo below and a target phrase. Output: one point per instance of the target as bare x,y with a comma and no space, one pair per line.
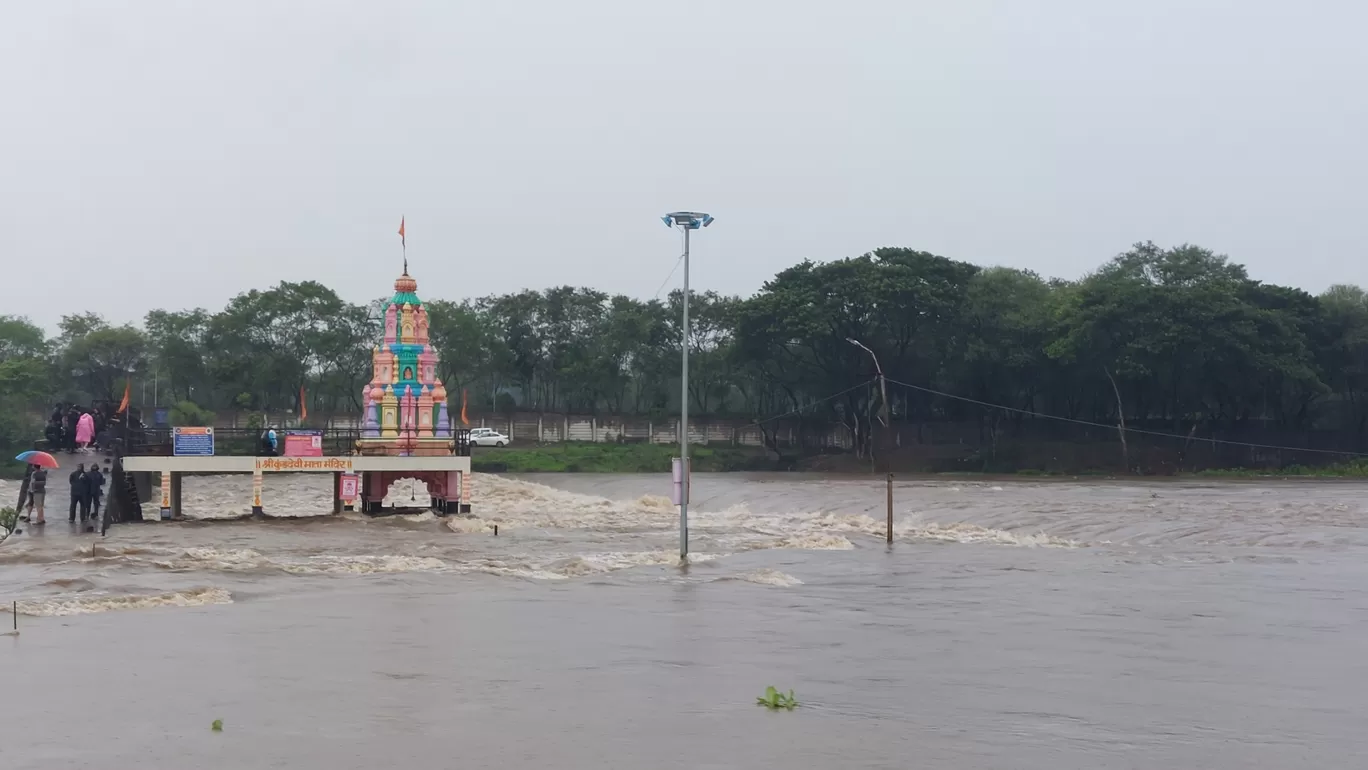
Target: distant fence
983,444
551,428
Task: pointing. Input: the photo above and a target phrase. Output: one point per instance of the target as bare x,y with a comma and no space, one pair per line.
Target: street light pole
888,431
686,221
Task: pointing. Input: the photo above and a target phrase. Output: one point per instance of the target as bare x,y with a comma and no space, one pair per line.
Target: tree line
1178,336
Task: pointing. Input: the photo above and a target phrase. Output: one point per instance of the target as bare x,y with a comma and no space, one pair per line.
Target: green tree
176,344
466,342
19,338
1180,334
293,336
100,358
1006,328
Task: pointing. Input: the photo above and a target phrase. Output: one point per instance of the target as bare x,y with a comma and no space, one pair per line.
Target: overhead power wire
673,269
1136,431
814,404
668,277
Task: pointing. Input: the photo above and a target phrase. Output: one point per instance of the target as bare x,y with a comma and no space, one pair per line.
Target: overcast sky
174,154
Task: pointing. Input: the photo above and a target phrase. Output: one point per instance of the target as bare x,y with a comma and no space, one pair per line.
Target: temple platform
335,464
154,472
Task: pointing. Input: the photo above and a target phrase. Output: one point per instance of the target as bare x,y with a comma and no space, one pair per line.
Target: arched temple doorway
442,490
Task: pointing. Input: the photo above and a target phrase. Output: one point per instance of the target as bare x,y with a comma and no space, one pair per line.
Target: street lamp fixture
688,220
883,392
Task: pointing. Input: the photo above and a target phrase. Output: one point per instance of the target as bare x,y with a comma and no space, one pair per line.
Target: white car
487,437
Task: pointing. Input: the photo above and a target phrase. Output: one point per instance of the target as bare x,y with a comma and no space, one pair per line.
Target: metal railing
247,442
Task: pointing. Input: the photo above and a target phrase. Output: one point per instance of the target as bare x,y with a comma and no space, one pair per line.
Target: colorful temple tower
406,412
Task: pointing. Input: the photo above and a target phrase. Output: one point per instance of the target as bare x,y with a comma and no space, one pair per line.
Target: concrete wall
530,427
552,428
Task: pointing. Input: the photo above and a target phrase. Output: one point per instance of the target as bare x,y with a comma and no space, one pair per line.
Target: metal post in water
687,221
890,508
684,414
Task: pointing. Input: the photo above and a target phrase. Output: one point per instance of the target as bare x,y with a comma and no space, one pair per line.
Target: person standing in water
85,431
37,495
69,429
95,482
78,490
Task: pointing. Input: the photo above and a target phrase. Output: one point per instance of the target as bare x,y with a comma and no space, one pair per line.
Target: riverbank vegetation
1357,469
583,457
1176,340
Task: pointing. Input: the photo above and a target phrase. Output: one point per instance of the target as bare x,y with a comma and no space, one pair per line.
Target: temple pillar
256,493
176,482
337,492
165,495
374,485
452,503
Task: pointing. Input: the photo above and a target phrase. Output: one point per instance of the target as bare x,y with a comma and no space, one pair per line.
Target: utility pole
686,221
887,433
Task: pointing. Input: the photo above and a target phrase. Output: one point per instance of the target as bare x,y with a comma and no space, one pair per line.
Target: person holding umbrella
36,482
37,495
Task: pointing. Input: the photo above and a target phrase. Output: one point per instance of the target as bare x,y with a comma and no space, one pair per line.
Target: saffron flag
464,421
401,233
303,406
128,390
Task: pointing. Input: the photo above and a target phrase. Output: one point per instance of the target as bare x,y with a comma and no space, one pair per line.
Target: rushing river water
1040,625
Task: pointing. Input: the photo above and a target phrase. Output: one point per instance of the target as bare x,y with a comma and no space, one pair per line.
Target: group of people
87,492
77,429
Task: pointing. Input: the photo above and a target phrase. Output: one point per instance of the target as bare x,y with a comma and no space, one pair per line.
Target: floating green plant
217,726
775,700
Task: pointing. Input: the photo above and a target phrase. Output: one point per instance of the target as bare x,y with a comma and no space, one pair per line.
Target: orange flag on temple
128,390
303,406
464,421
401,233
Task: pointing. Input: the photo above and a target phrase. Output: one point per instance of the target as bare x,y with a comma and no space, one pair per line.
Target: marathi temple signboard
303,443
192,442
311,464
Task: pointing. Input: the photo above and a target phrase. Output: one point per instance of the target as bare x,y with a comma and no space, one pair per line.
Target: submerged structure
405,432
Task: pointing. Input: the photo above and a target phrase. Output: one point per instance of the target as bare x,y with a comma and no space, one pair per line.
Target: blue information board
192,442
161,416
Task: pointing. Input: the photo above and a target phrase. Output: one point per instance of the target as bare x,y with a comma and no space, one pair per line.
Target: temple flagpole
403,244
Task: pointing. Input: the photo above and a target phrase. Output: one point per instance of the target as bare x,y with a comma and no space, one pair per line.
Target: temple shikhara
406,412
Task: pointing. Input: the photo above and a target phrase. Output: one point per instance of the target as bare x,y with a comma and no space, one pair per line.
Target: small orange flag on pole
303,406
128,390
464,421
401,233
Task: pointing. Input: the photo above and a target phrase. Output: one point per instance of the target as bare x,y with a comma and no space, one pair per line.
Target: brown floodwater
1022,625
